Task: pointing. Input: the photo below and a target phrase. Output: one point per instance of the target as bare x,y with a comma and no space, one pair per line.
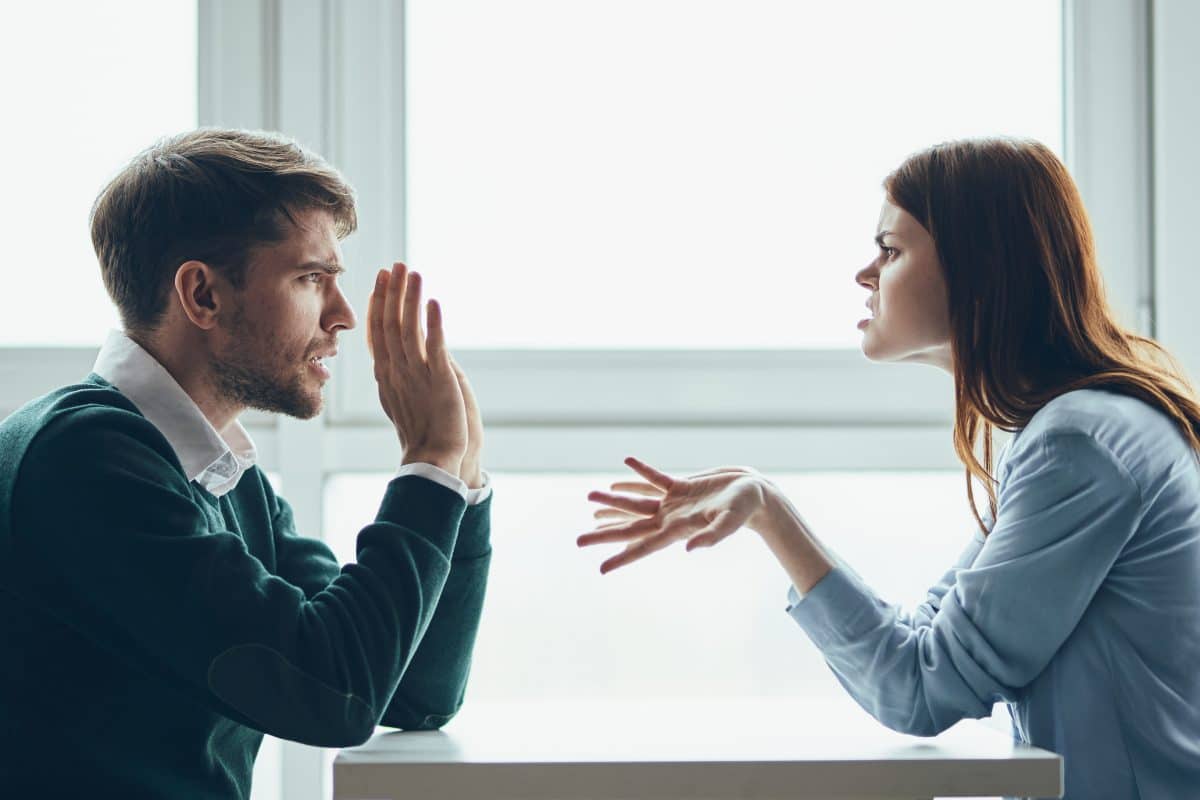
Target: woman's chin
872,348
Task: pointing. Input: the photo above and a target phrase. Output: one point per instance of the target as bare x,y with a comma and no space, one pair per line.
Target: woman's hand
418,387
702,509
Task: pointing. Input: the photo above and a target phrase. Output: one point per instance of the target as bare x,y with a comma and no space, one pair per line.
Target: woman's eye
888,252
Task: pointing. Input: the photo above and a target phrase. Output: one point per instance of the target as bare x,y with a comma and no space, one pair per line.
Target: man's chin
311,406
297,404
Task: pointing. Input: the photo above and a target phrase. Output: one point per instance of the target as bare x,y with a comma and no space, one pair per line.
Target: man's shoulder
79,414
91,400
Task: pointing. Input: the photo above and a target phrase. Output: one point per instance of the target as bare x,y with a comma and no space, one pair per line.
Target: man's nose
340,314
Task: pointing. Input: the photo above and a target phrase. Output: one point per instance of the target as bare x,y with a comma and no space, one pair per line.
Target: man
158,611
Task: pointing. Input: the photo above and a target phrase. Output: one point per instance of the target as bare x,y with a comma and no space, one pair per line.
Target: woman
1078,600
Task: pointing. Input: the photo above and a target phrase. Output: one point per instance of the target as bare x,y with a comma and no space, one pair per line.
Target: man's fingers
376,342
437,337
637,487
617,533
644,506
392,305
660,479
410,320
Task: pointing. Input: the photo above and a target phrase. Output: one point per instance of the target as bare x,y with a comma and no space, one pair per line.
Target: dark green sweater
150,633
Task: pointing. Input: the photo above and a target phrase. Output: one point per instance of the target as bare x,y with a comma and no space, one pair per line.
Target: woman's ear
196,289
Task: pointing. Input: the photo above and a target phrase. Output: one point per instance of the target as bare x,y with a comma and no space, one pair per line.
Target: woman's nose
868,277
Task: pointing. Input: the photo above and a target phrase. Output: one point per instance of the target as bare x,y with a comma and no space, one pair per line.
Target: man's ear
201,293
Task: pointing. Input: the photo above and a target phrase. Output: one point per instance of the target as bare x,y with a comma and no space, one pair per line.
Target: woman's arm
1066,511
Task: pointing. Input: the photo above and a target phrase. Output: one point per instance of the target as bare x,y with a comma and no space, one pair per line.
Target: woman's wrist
770,519
795,547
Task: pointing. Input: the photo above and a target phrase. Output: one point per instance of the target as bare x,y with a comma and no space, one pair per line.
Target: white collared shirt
213,460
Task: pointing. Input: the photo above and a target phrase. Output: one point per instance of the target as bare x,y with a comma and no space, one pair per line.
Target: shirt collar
214,461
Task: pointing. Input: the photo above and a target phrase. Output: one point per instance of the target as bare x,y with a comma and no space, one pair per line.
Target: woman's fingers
392,304
723,471
617,533
644,506
660,479
726,523
637,550
614,513
637,487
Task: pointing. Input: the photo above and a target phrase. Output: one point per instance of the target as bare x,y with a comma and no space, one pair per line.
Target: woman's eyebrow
879,237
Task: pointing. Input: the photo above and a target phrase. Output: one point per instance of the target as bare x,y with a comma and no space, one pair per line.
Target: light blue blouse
1081,608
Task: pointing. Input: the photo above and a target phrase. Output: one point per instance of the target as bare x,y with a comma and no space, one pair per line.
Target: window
683,174
703,623
87,85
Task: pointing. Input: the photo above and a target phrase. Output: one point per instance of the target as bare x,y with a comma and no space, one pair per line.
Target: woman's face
910,310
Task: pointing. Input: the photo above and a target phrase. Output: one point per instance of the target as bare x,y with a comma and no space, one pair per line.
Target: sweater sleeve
1065,512
432,689
305,562
133,562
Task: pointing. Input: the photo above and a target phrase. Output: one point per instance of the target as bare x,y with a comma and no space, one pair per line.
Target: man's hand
472,470
418,387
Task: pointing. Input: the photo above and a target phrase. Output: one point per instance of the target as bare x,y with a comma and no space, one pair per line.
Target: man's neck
191,373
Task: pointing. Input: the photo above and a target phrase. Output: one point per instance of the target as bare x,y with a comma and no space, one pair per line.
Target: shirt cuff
794,597
452,482
435,474
839,608
477,496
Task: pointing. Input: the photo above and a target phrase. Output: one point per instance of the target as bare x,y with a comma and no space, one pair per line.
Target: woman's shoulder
1091,409
1126,429
1100,413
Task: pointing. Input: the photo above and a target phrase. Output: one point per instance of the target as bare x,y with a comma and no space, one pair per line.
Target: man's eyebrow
331,267
879,237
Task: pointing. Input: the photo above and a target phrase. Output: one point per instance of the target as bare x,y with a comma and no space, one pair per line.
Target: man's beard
244,375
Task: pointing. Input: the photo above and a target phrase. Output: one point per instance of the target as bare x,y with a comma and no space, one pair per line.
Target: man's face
284,321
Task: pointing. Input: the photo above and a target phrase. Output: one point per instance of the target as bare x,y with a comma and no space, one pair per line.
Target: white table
702,748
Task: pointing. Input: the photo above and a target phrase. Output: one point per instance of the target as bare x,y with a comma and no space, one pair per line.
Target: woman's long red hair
1029,319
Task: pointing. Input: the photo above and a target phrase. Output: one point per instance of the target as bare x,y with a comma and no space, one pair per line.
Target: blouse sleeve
1066,510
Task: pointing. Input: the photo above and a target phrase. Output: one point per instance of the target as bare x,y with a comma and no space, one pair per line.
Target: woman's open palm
649,515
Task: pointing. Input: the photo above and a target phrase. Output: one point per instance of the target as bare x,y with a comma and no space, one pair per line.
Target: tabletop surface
690,747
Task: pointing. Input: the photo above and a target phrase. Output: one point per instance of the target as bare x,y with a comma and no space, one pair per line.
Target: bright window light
679,624
87,85
690,173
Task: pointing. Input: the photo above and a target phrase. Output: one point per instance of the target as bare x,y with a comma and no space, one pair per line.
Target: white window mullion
1176,168
236,84
1107,116
600,448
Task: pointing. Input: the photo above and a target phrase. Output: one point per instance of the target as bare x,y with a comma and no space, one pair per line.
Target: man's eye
315,277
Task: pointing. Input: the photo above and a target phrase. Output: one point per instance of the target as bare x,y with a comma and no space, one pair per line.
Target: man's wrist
445,461
472,473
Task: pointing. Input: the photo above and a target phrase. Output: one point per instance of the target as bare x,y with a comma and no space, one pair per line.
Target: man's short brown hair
208,195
